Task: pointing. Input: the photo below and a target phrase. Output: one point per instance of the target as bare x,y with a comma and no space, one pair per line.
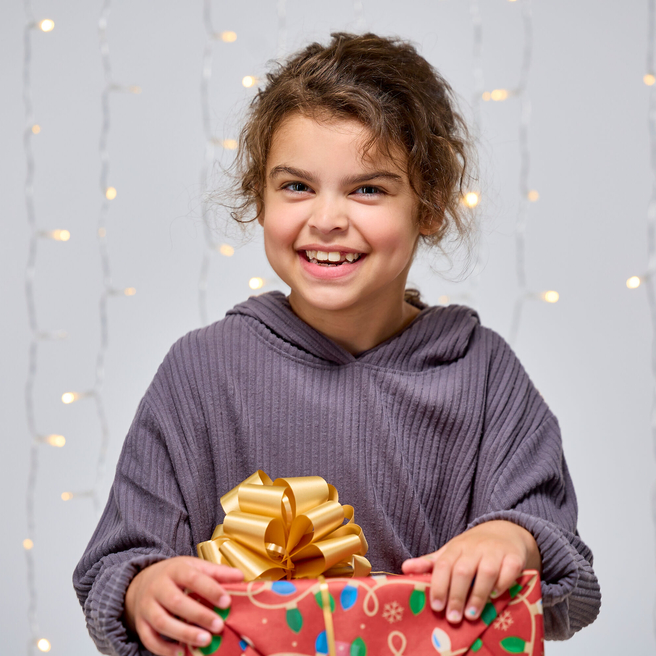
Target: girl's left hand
492,555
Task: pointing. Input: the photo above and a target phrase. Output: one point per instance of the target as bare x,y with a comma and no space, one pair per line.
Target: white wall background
586,235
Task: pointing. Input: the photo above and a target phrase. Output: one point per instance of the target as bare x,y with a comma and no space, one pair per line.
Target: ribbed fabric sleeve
427,434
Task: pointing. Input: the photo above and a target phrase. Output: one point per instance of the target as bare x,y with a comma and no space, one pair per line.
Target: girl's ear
430,224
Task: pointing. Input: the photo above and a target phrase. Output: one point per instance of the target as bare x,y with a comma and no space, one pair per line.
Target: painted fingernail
494,594
224,601
437,605
453,616
217,625
471,611
203,638
179,653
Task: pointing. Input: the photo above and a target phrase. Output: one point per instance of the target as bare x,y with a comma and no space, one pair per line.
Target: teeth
332,256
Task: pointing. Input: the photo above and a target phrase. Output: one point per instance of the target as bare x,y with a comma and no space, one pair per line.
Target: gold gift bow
290,527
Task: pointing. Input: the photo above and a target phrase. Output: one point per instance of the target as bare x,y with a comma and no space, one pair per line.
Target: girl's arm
523,500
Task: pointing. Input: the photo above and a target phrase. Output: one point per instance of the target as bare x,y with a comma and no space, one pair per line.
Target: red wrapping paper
375,616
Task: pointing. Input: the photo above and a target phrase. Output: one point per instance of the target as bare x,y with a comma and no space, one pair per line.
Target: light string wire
650,283
524,171
208,159
36,335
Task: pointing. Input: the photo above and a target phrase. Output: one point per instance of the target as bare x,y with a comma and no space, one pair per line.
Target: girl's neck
359,328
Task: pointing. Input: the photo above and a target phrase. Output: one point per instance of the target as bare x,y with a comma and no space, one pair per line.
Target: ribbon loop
291,527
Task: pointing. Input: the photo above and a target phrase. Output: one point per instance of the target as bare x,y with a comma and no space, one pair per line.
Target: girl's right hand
156,603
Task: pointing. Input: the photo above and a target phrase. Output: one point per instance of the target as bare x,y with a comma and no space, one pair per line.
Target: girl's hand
492,555
156,603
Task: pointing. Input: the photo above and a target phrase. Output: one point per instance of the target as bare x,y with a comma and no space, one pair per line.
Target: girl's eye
296,186
368,190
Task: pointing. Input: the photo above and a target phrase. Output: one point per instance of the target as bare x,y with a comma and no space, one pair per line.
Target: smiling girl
351,155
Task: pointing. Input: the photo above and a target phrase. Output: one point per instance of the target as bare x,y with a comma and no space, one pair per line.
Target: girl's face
339,230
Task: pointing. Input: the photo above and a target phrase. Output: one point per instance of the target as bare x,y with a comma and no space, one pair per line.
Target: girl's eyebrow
283,169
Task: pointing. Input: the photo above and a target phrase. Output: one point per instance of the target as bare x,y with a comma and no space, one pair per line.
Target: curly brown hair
390,89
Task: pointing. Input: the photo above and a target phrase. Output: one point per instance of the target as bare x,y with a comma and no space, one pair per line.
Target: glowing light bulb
551,296
61,235
533,195
134,89
129,291
229,144
55,440
43,645
486,96
102,232
248,81
27,544
110,193
633,282
499,94
471,199
47,25
227,250
444,300
69,397
256,283
36,129
649,79
229,37
66,496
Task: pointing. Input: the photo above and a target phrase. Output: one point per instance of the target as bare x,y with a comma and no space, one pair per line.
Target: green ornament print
489,614
417,601
515,589
294,620
513,645
212,647
358,648
223,612
319,600
477,645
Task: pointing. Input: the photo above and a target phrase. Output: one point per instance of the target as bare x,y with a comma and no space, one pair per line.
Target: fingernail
224,601
494,594
179,653
203,638
471,611
437,605
217,625
453,616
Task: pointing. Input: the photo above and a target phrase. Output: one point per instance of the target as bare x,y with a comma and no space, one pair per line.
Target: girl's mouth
331,258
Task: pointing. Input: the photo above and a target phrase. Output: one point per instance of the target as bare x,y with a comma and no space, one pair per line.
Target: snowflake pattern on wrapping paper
504,621
393,612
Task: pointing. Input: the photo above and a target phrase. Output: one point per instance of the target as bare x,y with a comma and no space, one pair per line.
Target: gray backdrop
588,353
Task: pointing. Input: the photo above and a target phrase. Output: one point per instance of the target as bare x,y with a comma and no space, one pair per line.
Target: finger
153,642
165,624
221,573
511,568
420,565
196,580
486,578
462,576
440,582
181,605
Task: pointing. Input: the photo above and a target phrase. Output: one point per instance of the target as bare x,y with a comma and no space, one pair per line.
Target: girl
352,154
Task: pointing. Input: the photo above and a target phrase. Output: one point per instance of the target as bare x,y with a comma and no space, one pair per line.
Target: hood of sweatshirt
436,336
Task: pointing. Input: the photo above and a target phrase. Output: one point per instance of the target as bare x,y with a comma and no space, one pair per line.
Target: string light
444,300
110,193
533,196
649,79
633,282
256,283
649,280
43,645
36,129
471,199
54,440
228,37
248,81
229,144
66,496
47,25
550,296
70,397
56,235
227,250
28,544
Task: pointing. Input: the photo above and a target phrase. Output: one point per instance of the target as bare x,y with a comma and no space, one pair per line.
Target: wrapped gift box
377,615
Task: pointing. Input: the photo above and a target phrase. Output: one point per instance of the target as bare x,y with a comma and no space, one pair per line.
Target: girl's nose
328,215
